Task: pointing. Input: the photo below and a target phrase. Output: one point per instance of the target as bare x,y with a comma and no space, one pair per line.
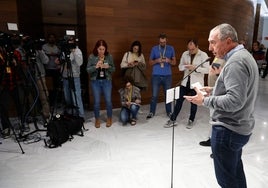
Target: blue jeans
72,94
157,81
179,102
102,87
129,113
227,147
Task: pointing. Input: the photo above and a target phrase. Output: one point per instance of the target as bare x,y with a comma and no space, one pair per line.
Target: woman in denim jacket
100,68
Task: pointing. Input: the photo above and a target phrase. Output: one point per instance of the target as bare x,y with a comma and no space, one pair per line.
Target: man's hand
189,67
207,89
197,99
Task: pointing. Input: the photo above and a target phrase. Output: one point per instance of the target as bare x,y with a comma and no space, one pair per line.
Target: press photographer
70,60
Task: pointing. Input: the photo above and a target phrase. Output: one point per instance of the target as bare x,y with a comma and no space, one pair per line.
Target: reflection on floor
133,156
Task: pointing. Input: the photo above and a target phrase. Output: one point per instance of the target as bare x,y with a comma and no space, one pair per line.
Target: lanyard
164,52
129,94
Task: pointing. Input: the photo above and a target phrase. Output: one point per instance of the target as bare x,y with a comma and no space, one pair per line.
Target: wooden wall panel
30,18
120,22
8,10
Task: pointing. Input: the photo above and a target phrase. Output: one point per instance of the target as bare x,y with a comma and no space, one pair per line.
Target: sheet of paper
199,87
169,95
177,92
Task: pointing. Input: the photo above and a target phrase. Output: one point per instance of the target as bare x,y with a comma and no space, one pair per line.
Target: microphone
193,70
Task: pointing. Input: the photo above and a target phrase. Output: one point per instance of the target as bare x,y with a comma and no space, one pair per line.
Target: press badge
8,69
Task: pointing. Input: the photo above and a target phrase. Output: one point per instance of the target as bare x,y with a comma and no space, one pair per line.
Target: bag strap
127,57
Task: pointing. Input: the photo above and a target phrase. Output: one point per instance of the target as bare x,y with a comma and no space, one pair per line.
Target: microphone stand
173,123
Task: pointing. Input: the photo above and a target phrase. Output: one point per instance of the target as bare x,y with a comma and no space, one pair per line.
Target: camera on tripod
7,43
67,44
31,46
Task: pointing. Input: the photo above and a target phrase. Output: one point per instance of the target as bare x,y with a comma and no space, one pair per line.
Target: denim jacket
91,66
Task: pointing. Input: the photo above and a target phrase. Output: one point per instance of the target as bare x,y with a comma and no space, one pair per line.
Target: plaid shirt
9,73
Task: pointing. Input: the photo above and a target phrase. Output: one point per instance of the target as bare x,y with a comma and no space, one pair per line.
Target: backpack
61,128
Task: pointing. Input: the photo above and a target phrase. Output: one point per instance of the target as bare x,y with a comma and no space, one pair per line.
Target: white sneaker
190,124
170,124
140,111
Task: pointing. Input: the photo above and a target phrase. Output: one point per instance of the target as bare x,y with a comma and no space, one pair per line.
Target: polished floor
133,156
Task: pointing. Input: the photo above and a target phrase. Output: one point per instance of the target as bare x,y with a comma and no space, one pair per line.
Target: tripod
70,95
71,83
4,97
9,72
38,77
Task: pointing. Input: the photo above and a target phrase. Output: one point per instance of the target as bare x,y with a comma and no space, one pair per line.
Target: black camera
31,46
7,44
67,44
5,41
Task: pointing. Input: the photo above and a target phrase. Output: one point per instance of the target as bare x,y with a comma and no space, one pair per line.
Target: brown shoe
109,122
97,123
133,122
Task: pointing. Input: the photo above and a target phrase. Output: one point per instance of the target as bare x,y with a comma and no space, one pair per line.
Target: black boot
205,143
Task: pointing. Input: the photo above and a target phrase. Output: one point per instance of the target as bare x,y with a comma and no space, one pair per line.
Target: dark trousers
265,71
179,102
227,148
54,96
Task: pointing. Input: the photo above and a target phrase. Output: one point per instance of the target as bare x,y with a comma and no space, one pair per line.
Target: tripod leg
13,130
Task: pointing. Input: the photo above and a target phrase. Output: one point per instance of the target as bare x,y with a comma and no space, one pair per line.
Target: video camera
67,44
31,46
7,46
5,41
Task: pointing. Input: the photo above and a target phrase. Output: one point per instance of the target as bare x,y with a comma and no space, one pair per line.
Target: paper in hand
198,86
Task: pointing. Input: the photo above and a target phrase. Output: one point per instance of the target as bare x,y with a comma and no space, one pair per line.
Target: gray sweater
233,99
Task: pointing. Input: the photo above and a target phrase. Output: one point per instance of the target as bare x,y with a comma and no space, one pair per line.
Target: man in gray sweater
232,102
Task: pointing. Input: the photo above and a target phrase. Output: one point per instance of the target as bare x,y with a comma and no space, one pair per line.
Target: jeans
227,147
73,89
98,87
179,102
157,81
129,113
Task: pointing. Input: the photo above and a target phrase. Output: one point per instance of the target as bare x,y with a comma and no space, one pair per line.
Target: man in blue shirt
162,57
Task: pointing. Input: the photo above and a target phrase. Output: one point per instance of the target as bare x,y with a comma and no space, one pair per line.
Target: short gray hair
225,31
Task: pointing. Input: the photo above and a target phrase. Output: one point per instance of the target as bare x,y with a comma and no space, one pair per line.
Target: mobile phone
215,65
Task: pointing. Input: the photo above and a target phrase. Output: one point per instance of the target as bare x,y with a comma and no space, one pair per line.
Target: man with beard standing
162,57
